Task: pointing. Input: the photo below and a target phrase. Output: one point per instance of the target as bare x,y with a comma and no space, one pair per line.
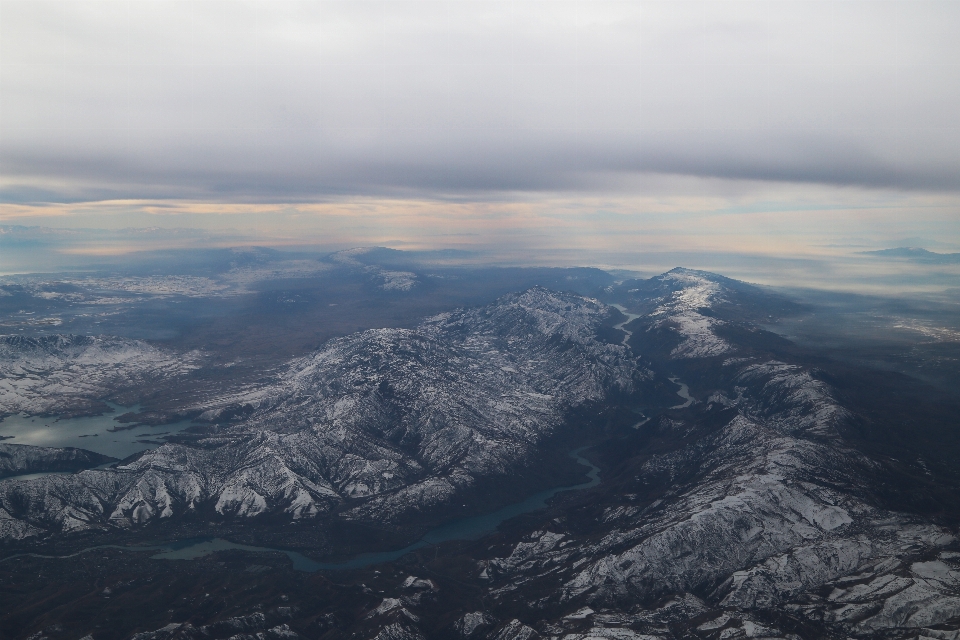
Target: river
471,528
684,393
630,318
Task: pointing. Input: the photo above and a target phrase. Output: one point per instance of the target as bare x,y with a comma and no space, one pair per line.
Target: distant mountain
385,257
64,374
917,255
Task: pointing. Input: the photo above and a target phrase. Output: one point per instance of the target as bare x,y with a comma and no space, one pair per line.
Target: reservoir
101,434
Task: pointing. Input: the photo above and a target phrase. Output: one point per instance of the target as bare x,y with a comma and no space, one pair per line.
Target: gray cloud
297,100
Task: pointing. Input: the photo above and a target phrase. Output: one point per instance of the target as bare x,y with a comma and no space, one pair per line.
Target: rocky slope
381,424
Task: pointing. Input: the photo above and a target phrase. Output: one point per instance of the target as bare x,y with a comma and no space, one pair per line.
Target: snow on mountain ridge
767,514
776,510
681,311
405,418
63,373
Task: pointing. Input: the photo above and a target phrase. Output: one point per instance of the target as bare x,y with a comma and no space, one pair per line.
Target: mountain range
747,489
916,254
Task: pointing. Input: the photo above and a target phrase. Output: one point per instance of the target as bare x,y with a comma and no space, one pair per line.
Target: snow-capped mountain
381,424
769,513
747,511
746,515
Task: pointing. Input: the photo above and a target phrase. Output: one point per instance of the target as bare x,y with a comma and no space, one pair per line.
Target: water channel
471,528
683,393
630,318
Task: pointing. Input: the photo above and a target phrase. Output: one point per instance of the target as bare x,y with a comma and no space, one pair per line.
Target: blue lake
102,434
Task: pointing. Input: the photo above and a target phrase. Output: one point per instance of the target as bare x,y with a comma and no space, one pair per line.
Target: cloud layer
286,101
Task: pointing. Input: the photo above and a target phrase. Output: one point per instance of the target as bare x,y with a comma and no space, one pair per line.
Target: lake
101,434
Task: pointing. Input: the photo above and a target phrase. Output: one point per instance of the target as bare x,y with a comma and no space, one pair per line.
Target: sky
598,131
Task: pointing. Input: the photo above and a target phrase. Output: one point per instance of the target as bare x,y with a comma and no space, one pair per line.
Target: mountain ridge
334,426
747,511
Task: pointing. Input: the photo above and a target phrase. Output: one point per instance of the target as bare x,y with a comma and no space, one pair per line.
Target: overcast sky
481,102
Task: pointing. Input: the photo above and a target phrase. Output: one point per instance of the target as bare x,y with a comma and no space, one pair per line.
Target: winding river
630,318
470,528
684,393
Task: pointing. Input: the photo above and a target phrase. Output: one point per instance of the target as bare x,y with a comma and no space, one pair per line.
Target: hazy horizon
782,137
